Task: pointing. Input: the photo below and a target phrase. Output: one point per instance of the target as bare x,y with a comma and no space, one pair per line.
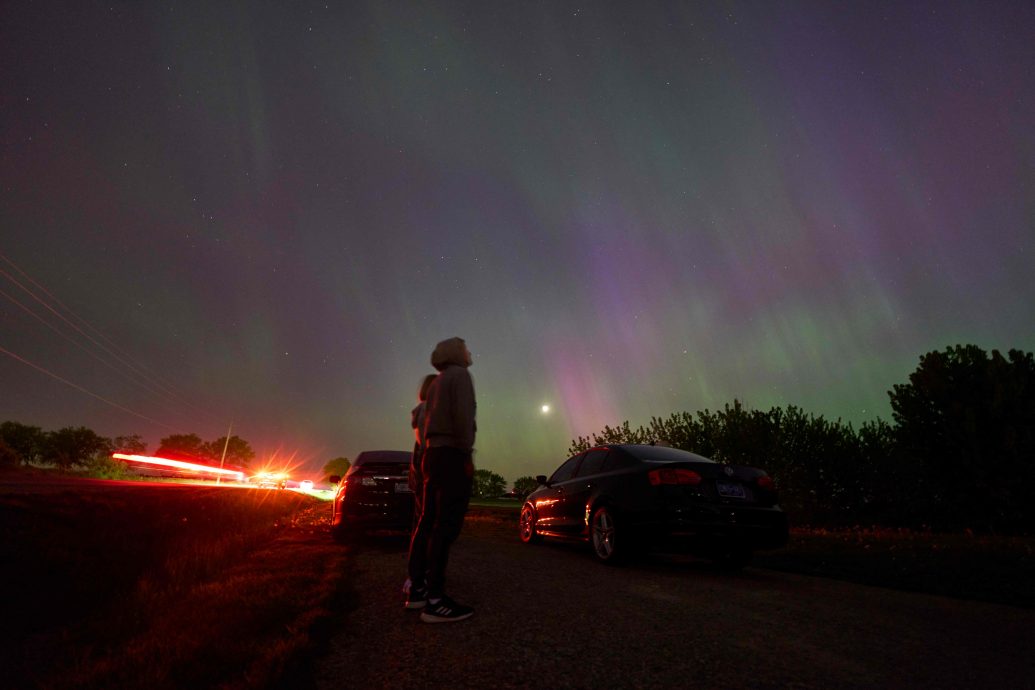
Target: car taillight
767,482
665,477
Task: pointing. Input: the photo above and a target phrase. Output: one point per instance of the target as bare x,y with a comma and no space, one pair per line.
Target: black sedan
625,499
373,494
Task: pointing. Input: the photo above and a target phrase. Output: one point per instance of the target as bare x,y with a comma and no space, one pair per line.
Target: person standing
416,475
449,429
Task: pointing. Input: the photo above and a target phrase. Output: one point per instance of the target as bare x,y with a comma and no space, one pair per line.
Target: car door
578,491
549,503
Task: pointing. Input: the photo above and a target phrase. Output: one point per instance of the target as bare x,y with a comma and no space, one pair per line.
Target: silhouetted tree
487,483
131,445
823,469
8,456
524,486
886,478
621,434
27,442
189,445
74,446
238,451
336,467
967,419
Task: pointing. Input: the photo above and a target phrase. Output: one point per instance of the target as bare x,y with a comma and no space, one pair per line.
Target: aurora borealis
275,211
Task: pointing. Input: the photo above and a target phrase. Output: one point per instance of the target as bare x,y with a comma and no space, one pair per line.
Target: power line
132,371
79,330
84,390
89,352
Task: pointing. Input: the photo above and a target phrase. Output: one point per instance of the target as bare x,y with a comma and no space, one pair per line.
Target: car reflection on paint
625,499
374,494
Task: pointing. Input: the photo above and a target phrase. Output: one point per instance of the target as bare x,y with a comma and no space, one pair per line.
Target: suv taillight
666,477
766,482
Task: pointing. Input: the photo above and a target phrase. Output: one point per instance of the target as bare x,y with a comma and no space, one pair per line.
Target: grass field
169,586
177,586
501,503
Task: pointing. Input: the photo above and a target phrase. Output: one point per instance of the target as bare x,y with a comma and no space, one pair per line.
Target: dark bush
961,454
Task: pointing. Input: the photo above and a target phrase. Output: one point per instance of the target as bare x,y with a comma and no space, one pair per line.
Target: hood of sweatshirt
449,352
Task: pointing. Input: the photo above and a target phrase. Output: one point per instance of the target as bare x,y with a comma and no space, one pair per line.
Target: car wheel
605,537
526,525
733,558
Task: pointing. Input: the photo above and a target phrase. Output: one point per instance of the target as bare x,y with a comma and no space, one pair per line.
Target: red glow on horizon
192,466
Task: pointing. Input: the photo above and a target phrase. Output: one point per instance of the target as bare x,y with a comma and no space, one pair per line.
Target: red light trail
180,464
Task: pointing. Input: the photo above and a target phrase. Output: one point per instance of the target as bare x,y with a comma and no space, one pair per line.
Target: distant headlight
305,485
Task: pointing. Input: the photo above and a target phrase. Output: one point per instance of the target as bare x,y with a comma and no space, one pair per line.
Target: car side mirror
541,478
334,479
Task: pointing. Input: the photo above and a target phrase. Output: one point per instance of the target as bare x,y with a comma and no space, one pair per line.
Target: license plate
730,489
403,488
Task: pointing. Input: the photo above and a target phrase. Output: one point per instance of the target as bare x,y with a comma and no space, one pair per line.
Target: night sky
267,214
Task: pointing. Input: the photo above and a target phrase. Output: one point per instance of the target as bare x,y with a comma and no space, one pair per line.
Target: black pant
416,482
448,473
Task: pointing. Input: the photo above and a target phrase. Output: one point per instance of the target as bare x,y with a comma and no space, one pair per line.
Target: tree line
959,453
80,447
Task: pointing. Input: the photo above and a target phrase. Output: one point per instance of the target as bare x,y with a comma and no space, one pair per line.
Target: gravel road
548,616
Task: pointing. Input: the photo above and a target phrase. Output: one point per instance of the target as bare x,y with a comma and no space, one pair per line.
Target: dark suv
373,494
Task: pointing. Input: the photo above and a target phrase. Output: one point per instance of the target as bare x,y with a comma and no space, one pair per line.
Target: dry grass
162,587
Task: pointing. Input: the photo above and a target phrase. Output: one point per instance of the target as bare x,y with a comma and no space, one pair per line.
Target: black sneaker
445,611
417,597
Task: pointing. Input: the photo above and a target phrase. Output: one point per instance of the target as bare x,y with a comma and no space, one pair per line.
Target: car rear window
383,457
617,459
665,454
375,467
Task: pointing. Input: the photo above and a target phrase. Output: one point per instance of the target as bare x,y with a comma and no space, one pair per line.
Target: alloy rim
603,534
526,523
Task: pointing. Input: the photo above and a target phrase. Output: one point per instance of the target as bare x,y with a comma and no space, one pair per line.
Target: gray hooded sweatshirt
449,414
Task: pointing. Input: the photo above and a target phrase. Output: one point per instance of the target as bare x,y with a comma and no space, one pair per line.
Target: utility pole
219,477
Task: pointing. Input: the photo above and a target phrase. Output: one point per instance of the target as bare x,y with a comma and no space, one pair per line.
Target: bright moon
545,409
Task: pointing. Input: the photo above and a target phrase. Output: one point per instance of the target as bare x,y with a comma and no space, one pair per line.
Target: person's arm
464,409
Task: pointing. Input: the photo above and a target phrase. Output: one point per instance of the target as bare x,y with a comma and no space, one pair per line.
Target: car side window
566,470
593,462
616,460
